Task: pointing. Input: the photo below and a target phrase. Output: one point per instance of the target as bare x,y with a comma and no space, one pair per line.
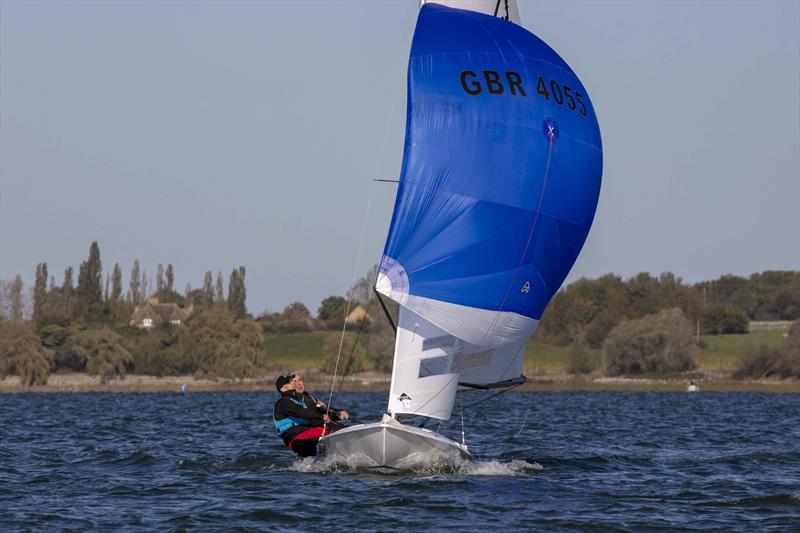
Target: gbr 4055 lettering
511,83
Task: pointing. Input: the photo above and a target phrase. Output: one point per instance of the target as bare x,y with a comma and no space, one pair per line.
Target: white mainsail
504,9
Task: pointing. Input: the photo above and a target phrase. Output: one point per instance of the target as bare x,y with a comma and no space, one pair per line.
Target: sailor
301,419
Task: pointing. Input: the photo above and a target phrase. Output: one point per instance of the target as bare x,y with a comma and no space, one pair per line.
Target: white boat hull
390,444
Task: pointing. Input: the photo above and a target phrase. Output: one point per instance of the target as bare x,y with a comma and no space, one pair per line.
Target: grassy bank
717,356
545,365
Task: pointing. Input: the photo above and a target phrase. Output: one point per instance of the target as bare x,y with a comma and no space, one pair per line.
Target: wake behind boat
498,189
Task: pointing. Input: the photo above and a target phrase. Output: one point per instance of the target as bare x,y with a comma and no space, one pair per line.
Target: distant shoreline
373,381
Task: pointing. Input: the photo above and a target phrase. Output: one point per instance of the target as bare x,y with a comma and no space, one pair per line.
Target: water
205,461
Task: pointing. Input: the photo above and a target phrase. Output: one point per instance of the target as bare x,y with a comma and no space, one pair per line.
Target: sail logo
511,83
405,400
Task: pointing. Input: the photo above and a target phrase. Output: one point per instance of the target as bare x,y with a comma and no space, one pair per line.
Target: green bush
218,345
102,352
22,354
661,342
723,320
353,355
578,360
771,362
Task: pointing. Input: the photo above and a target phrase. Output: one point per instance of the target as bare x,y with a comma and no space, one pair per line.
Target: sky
216,134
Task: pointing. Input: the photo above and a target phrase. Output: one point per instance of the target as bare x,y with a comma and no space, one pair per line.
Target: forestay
500,179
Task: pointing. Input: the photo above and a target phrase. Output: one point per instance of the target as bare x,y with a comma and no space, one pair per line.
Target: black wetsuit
295,413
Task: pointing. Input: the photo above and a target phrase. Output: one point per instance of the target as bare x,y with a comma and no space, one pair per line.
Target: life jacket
282,425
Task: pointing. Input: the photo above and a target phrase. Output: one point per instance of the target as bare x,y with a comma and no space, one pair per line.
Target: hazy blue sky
218,134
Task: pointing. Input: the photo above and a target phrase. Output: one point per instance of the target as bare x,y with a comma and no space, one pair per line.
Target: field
717,356
545,365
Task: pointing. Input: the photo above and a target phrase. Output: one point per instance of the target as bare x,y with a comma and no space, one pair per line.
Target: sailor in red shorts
300,419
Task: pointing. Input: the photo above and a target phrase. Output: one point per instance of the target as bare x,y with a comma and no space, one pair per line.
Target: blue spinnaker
501,170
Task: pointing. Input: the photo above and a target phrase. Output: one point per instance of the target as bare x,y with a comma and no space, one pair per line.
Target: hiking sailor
300,419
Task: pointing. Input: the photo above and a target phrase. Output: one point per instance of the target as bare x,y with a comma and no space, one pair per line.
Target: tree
352,358
361,291
167,296
170,277
22,354
68,294
219,297
295,311
90,279
237,293
135,286
40,292
208,289
789,365
103,353
146,285
724,319
17,306
218,345
159,277
660,342
332,308
578,361
116,283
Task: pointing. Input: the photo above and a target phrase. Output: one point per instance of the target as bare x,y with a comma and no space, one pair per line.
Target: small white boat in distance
390,444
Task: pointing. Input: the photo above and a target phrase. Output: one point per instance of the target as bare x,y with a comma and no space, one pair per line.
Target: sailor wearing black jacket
300,419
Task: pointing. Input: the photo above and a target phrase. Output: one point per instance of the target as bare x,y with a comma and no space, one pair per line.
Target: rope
378,164
350,295
493,395
349,365
461,401
533,385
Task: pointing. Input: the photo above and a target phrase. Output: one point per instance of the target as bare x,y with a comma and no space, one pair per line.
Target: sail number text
511,83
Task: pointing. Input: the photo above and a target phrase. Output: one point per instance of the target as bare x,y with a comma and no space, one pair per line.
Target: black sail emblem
405,400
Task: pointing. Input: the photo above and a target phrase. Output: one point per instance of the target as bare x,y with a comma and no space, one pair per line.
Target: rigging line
533,385
461,401
385,309
378,165
493,395
530,238
348,366
350,293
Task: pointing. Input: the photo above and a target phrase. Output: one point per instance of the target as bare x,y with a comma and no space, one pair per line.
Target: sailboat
500,180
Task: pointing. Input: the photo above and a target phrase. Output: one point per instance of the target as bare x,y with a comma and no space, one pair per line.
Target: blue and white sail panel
500,180
430,362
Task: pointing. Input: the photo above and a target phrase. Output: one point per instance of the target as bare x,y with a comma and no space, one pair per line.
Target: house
357,315
152,314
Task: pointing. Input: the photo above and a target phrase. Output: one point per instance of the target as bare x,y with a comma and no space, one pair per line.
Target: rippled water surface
212,461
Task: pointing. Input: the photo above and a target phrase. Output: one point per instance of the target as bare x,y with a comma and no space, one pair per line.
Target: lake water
205,461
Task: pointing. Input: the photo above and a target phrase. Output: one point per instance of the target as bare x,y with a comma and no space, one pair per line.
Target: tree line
642,324
589,309
85,327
